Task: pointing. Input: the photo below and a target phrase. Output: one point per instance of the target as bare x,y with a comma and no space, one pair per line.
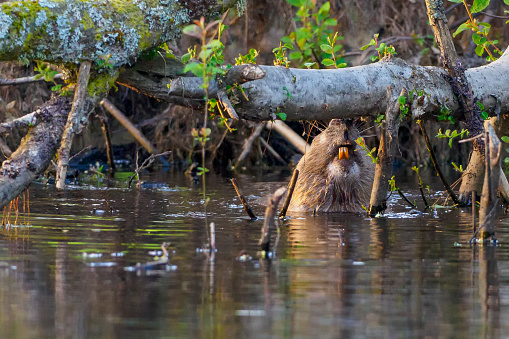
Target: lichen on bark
74,30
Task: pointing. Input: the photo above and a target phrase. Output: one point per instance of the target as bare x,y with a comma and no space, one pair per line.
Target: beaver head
335,174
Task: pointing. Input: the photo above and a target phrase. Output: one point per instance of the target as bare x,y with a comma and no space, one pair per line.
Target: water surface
63,268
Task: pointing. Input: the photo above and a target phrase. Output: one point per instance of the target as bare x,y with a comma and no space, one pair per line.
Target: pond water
66,269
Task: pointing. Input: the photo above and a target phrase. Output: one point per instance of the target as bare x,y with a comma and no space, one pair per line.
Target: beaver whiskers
335,175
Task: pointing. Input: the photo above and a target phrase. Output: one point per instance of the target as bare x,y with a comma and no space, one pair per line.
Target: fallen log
37,149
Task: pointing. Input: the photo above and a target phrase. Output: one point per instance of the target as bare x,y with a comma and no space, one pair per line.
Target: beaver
335,174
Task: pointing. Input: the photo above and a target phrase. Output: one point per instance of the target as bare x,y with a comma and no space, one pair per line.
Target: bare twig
83,150
471,139
291,187
105,127
272,151
145,164
247,208
248,143
24,80
406,199
435,163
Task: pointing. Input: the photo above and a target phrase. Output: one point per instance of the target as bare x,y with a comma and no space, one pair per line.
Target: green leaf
342,65
295,56
325,8
479,50
289,46
326,48
506,2
309,64
479,5
401,99
461,28
328,62
195,68
192,30
281,116
296,3
330,22
456,1
476,38
185,58
505,138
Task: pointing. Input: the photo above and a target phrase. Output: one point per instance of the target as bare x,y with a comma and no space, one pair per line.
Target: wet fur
328,184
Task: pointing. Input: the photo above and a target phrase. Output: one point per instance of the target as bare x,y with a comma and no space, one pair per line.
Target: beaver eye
346,134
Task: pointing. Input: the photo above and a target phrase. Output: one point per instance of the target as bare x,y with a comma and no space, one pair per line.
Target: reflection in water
336,275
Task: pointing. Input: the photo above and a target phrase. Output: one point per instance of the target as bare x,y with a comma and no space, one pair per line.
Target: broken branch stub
386,152
270,213
487,212
78,116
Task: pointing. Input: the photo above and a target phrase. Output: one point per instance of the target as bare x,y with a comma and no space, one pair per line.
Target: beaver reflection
335,175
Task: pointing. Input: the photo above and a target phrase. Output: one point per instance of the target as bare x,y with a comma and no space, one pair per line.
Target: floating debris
243,256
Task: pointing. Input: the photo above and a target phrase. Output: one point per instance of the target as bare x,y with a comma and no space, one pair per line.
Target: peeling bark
36,150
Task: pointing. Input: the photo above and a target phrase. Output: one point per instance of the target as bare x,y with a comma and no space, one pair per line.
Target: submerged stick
270,213
247,208
426,205
212,236
291,187
406,199
435,164
474,198
105,127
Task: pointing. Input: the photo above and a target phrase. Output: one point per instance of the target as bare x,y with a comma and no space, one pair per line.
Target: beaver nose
336,122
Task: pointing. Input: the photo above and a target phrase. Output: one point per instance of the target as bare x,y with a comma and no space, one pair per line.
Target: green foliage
403,107
382,49
392,184
379,119
445,114
362,144
451,135
104,62
484,114
457,168
312,39
480,29
44,71
280,58
329,48
249,58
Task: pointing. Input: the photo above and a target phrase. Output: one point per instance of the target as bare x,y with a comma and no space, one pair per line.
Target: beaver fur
330,180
